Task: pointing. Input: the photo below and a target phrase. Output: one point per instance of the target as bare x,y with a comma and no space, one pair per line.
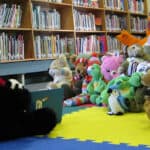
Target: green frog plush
127,90
96,85
125,84
103,97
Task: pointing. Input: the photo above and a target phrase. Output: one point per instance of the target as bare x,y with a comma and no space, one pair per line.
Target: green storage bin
48,98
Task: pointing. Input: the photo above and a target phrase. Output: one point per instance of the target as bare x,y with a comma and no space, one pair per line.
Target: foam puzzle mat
91,129
96,125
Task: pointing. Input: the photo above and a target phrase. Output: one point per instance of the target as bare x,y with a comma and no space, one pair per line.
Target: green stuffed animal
128,91
96,85
103,98
125,84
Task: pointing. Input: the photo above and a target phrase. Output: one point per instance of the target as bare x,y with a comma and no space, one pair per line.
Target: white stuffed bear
61,73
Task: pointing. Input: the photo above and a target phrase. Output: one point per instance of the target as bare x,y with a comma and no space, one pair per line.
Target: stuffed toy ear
15,84
2,82
126,38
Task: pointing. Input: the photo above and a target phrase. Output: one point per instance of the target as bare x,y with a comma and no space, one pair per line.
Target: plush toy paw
118,113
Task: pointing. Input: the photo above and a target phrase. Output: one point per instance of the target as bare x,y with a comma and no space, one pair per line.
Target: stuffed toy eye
113,72
107,70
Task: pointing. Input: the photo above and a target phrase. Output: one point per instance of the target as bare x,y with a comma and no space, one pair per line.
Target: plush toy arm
100,87
90,88
123,68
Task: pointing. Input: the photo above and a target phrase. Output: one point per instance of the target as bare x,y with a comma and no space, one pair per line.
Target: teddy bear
17,119
110,65
147,106
62,76
136,60
145,79
80,73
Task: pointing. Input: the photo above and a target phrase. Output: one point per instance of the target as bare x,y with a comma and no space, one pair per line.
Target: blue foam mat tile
37,143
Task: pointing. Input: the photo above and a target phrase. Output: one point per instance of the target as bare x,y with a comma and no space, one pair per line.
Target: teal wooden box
48,98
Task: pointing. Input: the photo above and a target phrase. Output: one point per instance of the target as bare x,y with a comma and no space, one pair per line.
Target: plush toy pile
17,120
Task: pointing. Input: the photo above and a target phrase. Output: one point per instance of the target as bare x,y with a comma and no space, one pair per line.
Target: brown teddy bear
146,82
147,106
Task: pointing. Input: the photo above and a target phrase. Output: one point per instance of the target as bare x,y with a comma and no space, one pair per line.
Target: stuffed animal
80,74
117,103
17,119
103,98
133,52
137,51
127,87
145,79
147,106
83,97
127,91
62,76
109,66
96,85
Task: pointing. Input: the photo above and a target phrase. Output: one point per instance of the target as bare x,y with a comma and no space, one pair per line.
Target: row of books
84,21
55,1
115,22
86,3
46,18
52,45
11,47
115,4
136,6
91,43
10,15
138,24
112,43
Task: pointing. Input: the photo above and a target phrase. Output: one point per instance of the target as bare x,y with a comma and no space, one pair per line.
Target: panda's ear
15,84
2,82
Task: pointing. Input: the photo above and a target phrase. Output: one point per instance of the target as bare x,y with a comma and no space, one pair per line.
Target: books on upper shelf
45,18
84,21
87,3
10,15
138,24
112,43
136,6
115,22
11,46
115,4
55,1
91,43
47,46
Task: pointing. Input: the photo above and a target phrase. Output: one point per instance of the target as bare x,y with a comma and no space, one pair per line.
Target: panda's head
16,97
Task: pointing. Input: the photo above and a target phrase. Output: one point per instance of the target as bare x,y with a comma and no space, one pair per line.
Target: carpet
91,129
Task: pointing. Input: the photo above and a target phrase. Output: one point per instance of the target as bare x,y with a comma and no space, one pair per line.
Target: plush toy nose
51,72
78,71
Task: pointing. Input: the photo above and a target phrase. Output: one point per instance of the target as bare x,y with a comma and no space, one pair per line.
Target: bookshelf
34,32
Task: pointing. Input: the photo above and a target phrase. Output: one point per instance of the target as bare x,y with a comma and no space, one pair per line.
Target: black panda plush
16,119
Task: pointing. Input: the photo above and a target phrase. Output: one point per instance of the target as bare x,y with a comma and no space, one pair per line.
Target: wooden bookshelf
66,28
